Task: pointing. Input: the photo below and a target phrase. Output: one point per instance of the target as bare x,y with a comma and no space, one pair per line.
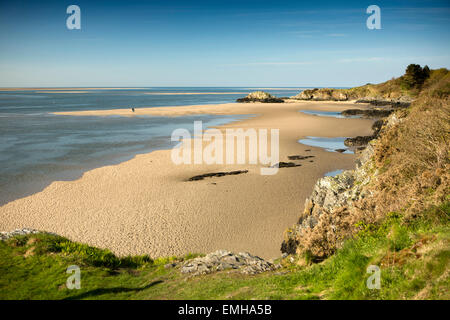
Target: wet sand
147,206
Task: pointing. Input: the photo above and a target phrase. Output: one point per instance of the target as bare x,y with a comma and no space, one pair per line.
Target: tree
426,72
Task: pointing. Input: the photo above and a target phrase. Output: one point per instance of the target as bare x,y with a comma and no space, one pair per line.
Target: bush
101,257
399,238
90,255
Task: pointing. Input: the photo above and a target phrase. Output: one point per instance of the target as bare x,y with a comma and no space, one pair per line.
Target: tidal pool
329,144
327,114
333,173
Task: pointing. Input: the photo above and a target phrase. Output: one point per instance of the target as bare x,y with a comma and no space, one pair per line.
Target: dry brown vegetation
413,156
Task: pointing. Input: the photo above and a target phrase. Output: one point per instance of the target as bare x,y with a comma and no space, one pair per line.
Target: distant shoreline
67,89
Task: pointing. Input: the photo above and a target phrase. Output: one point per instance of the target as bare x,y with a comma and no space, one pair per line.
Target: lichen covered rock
224,260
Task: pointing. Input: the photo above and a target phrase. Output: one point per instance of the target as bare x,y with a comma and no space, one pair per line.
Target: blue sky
218,43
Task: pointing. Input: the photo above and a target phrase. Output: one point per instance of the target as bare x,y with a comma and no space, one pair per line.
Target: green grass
413,256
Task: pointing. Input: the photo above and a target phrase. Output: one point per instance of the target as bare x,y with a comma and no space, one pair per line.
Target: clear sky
218,43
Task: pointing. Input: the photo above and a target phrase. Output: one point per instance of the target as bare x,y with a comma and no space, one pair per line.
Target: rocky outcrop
321,95
376,126
368,113
319,229
225,260
358,141
216,174
260,96
370,96
402,102
362,141
286,165
19,232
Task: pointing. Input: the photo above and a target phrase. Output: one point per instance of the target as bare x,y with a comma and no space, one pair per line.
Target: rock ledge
18,232
224,260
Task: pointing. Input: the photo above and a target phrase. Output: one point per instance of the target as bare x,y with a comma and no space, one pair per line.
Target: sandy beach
147,206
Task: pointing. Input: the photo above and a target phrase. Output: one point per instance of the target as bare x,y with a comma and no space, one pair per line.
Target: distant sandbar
192,93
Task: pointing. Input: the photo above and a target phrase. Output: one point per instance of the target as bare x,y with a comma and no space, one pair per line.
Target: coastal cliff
404,170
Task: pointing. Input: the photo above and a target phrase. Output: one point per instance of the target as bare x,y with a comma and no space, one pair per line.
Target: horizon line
138,88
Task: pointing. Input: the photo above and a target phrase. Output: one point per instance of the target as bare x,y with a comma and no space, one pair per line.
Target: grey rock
224,260
5,235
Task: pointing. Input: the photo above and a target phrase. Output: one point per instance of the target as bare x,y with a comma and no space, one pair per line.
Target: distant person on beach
132,109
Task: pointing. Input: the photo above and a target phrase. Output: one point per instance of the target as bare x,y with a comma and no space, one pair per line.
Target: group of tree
415,76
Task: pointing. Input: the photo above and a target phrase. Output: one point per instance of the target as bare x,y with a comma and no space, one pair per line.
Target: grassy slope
413,258
392,89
